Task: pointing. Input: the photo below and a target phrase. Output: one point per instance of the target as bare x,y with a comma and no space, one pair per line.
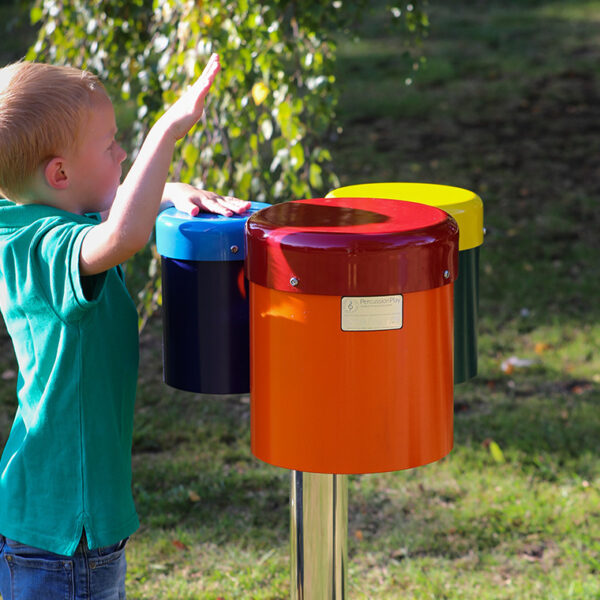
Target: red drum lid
351,246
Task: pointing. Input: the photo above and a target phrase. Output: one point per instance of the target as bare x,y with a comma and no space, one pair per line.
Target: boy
66,507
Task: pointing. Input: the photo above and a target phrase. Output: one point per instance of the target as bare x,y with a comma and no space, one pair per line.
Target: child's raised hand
131,217
184,114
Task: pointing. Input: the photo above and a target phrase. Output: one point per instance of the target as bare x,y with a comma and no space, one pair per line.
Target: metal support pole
318,536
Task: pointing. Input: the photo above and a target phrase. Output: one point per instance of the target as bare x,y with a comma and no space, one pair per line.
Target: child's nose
122,155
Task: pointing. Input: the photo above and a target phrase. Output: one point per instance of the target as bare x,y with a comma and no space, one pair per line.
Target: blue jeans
28,573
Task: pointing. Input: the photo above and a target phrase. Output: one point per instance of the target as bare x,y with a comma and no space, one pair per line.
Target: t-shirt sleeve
54,255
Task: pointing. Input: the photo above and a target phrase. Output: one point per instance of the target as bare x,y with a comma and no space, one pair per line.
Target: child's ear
55,173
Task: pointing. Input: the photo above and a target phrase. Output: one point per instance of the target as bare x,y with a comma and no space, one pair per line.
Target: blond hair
42,109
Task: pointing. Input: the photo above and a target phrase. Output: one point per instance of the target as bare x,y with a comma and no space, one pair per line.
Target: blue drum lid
206,236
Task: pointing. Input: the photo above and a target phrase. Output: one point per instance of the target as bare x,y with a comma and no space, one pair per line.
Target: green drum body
466,308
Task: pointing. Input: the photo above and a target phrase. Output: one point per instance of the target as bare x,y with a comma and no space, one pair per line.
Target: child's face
96,163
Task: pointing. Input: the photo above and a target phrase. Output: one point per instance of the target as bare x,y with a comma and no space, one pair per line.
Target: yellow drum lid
465,206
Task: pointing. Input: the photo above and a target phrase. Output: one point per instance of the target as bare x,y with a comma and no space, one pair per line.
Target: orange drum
351,324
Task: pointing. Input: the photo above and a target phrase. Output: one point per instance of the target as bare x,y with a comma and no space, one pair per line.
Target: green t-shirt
67,462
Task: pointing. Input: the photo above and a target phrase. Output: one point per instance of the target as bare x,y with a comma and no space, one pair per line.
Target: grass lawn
508,105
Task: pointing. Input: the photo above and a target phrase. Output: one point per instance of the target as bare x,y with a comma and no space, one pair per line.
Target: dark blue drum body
205,301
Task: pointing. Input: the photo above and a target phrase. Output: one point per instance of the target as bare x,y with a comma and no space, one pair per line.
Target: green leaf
36,14
243,181
283,114
297,155
315,179
190,154
253,142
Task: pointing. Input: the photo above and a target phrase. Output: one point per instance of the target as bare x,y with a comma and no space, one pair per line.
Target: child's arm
133,213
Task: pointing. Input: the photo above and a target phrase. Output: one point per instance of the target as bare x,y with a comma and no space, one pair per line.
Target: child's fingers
208,74
212,67
194,206
188,199
213,61
235,204
216,207
222,205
